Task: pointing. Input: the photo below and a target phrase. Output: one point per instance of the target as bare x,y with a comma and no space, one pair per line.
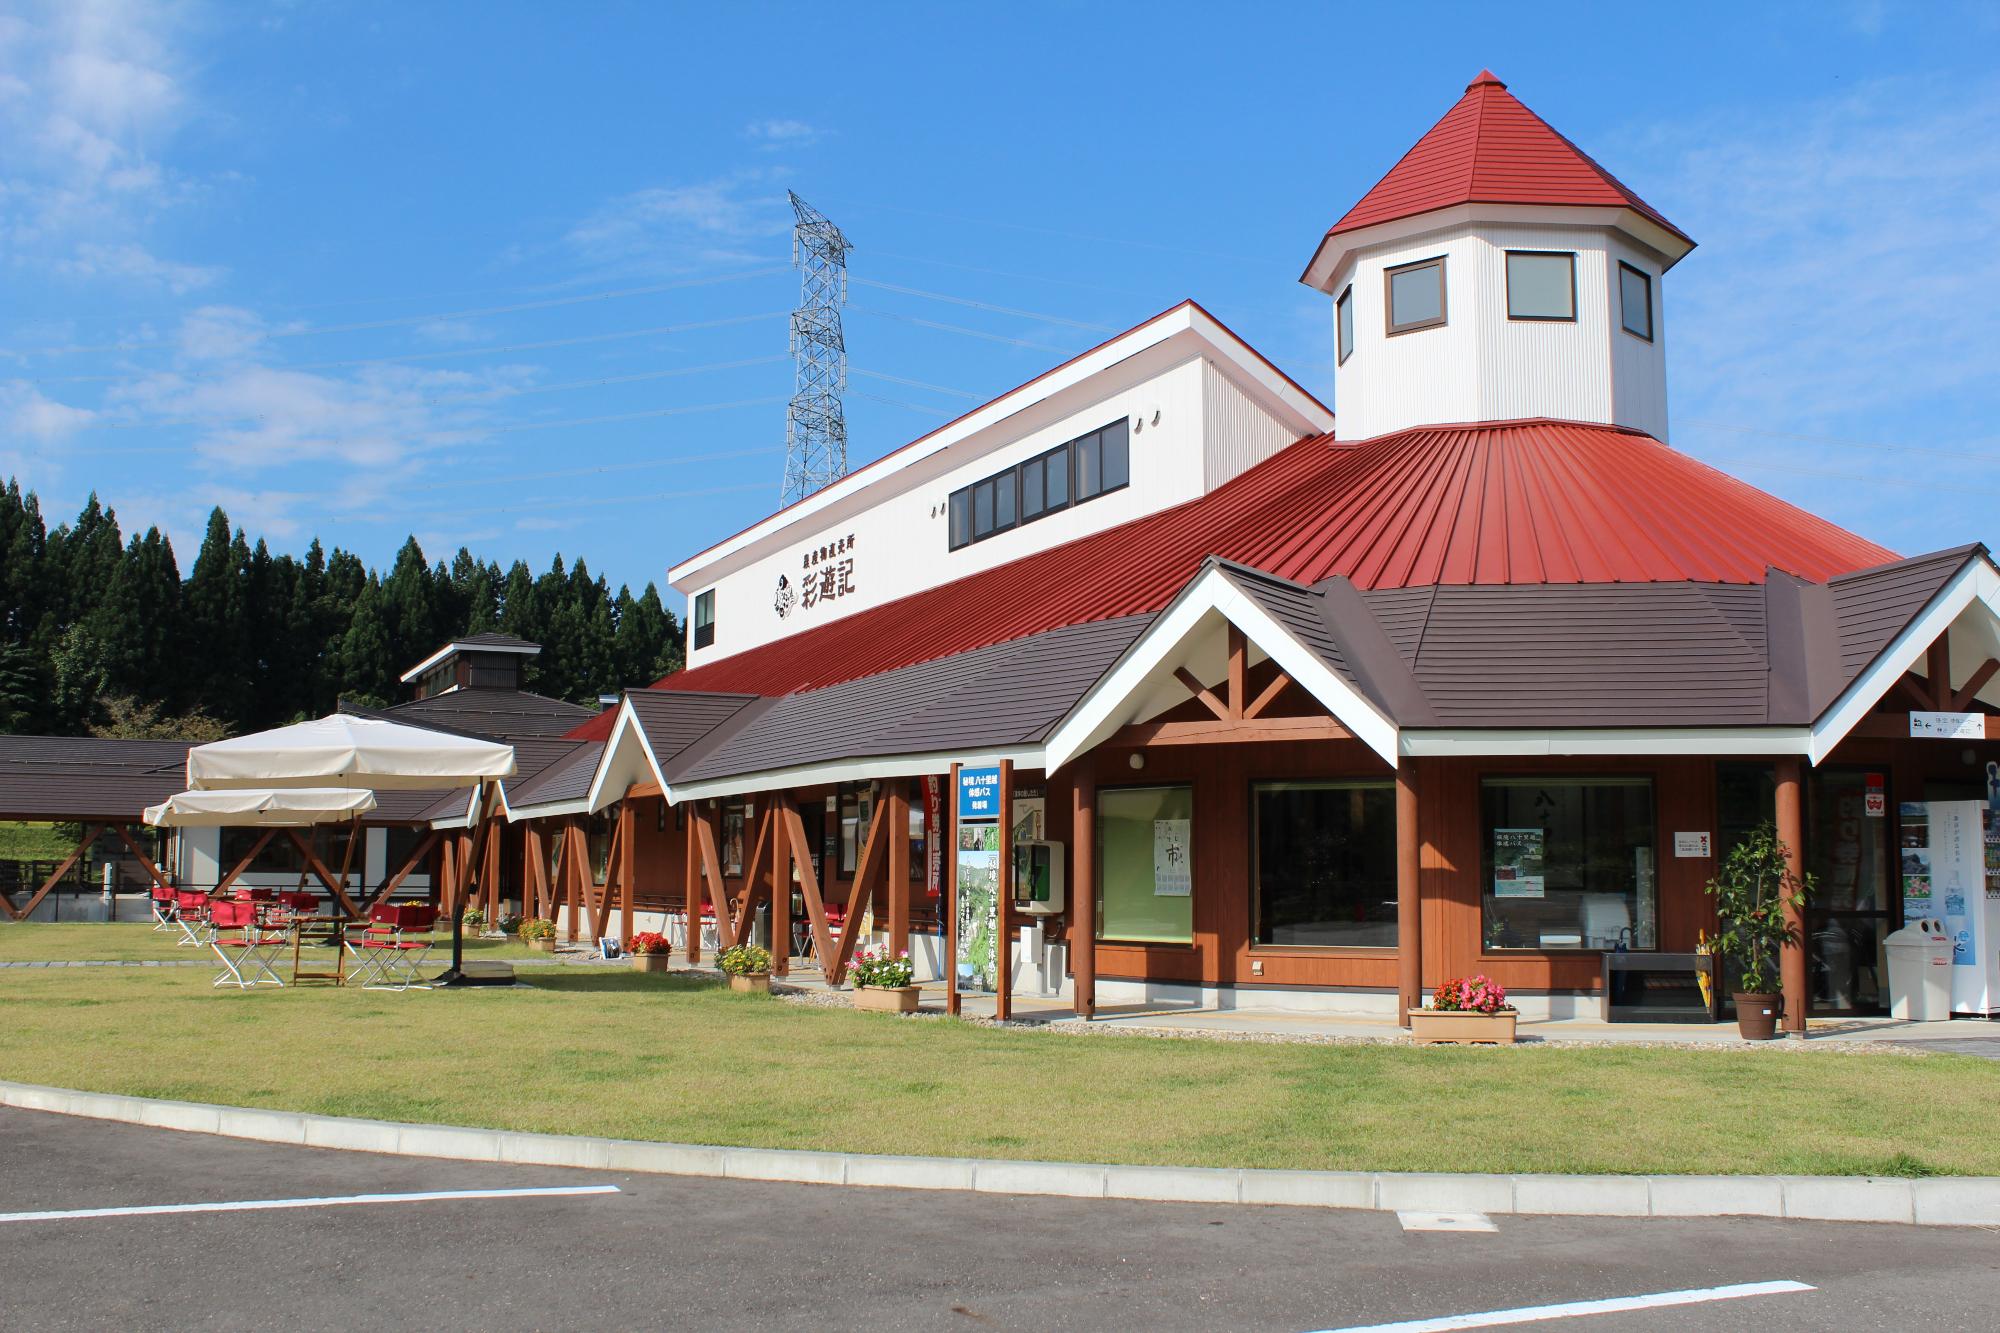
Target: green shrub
745,960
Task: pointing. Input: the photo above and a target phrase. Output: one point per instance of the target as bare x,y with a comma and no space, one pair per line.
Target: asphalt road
668,1252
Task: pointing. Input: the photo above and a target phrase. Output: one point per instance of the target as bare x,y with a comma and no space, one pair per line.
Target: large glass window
1416,295
1325,863
1084,468
704,619
1541,285
1569,863
735,822
1145,874
857,808
1343,318
1635,301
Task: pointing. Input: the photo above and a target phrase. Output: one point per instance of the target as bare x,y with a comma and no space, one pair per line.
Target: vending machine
1951,871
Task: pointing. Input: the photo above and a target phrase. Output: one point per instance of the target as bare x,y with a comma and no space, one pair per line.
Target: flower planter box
649,962
755,982
1431,1027
887,999
542,946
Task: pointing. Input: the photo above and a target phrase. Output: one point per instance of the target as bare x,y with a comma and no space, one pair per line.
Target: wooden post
861,892
823,945
1409,902
628,864
534,871
782,853
1791,833
489,871
1083,895
1003,905
1239,672
572,835
899,865
691,881
948,901
1937,666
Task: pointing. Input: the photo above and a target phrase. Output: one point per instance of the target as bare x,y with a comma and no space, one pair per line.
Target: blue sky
514,276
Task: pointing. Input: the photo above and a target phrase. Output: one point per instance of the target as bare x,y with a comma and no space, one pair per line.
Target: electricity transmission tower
815,424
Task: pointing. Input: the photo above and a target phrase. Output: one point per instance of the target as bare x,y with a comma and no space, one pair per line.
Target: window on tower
1343,311
1635,299
1541,285
704,619
1416,295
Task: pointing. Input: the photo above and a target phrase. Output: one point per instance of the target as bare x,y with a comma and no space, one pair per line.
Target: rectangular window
1416,295
1003,500
1541,285
982,510
704,619
857,808
735,818
1144,875
1032,495
1635,301
1089,480
1114,455
1343,313
1324,863
1056,477
1082,469
1569,863
961,518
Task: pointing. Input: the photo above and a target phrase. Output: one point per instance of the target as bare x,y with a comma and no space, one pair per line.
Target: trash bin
1919,972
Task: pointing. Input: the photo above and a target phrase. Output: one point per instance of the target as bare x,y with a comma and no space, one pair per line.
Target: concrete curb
1943,1201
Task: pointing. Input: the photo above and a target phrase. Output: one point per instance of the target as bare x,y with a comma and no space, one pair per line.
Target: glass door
1849,845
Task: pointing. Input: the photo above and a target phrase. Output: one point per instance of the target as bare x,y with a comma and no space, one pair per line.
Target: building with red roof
1226,699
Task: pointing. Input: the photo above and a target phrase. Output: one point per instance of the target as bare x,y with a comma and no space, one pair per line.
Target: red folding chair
162,896
393,947
291,905
191,915
245,945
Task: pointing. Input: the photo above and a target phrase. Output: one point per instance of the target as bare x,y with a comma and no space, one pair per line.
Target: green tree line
103,634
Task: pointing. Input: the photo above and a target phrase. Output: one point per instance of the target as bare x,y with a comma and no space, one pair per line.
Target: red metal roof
1491,149
1525,502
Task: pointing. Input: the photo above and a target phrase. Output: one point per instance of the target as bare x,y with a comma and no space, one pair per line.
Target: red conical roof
1491,149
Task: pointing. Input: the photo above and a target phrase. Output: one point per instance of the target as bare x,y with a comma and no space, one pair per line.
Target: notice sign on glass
1173,872
1517,862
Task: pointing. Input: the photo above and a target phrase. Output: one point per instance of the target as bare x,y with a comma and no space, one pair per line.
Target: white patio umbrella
263,807
346,751
342,750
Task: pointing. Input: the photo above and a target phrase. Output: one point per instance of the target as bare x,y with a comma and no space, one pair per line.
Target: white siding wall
1208,431
1483,366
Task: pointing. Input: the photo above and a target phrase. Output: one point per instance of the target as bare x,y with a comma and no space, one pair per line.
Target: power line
984,305
919,384
405,320
897,402
955,328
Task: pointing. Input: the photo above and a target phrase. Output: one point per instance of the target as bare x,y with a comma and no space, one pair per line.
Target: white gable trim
1436,742
1028,757
1978,583
627,736
1097,715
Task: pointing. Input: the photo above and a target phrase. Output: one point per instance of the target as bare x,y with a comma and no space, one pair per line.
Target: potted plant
1753,892
882,982
538,934
649,949
748,966
1465,1010
472,918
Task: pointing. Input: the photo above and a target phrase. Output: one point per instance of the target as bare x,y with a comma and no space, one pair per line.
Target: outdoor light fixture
1138,759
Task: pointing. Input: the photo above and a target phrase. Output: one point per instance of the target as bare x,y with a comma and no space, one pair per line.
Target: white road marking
1446,1222
255,1205
1530,1314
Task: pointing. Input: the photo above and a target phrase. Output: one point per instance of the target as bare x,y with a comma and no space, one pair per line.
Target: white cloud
775,134
89,91
28,412
733,219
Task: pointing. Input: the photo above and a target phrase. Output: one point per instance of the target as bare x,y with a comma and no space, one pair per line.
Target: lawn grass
131,941
676,1058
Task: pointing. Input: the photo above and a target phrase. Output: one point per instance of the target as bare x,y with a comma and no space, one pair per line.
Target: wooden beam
600,896
354,835
1003,894
643,791
874,855
534,871
766,841
691,883
1223,731
628,865
55,876
1915,692
1083,895
948,900
263,841
1937,670
334,886
702,828
1791,835
782,854
1974,683
408,868
1239,671
1409,890
1268,697
1202,692
898,870
489,875
823,945
153,872
576,869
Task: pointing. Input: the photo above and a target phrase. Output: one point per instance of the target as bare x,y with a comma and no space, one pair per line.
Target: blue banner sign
979,793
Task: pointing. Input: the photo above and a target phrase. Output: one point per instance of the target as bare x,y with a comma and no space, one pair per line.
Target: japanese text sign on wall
979,793
1949,726
1693,844
826,575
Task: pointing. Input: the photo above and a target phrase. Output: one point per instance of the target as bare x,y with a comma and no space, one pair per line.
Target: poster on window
1173,869
1914,825
977,906
1517,863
